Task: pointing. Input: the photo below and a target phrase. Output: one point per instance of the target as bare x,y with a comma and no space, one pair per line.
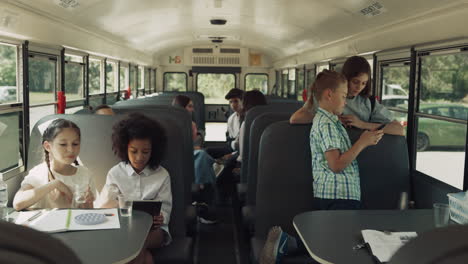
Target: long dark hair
181,100
51,133
251,99
354,66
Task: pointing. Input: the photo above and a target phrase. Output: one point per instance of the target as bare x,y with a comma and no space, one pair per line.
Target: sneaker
205,217
275,246
218,169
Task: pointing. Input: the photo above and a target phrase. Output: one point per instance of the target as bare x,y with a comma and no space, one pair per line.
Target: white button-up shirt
147,185
233,127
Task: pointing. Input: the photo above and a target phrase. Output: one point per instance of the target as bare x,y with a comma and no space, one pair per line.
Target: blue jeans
204,172
337,204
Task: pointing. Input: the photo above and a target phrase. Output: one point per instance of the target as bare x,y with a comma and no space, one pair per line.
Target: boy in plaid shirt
334,165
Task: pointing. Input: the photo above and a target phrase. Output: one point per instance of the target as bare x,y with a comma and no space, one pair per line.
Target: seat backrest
442,246
250,117
166,99
383,170
19,244
258,126
97,155
284,180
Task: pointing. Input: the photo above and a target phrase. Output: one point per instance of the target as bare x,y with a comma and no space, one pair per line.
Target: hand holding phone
381,127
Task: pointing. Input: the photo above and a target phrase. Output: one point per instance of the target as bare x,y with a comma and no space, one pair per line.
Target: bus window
147,81
123,80
95,76
300,83
141,81
395,89
322,67
257,81
111,82
42,87
291,84
134,80
284,83
74,71
10,135
8,88
214,86
175,81
441,141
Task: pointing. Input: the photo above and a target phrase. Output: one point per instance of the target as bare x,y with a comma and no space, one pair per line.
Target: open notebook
53,221
384,244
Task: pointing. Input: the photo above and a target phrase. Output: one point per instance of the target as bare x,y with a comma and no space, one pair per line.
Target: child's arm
28,195
304,115
393,128
338,161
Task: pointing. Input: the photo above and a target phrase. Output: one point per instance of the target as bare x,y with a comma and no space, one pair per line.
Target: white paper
385,244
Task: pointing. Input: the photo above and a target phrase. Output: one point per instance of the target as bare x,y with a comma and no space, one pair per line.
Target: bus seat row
96,154
285,181
166,98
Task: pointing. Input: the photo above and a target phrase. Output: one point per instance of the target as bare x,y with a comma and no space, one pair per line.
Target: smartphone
381,127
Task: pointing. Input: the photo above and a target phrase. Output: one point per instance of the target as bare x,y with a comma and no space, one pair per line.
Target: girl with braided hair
52,183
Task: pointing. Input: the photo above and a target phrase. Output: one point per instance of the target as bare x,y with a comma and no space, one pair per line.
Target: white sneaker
218,169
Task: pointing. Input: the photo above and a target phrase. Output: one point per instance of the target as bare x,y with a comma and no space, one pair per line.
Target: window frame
256,73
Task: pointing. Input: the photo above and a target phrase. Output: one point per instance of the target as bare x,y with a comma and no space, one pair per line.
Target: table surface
330,236
109,245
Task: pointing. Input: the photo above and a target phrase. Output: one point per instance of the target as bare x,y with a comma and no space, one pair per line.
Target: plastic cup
441,214
81,190
125,205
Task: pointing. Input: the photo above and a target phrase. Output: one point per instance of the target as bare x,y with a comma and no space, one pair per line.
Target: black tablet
151,207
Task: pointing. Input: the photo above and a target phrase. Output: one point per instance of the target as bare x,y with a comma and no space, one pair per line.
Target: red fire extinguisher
128,93
61,102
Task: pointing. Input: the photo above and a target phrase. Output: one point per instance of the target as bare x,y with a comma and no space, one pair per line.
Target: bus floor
222,242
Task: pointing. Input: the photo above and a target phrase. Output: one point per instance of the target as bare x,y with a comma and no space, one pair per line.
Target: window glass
153,81
441,150
10,138
292,84
256,81
72,110
42,79
141,78
322,67
95,77
215,131
444,81
444,92
214,86
38,112
111,73
310,79
277,88
74,58
395,90
74,81
123,80
284,83
134,80
175,81
147,81
300,83
8,89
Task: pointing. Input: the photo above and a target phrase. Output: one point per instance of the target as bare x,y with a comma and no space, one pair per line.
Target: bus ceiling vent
217,40
218,21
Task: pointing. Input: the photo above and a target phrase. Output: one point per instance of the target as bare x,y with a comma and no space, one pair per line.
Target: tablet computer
151,207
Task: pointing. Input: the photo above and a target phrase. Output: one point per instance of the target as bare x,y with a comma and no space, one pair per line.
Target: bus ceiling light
217,40
218,21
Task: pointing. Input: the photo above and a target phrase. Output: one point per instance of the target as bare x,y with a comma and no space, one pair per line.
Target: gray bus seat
19,244
97,155
284,182
258,126
383,170
166,99
250,117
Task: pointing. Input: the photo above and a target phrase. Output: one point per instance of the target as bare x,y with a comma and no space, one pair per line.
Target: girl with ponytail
52,183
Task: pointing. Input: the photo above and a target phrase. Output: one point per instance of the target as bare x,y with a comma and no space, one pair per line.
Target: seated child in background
103,110
140,143
52,183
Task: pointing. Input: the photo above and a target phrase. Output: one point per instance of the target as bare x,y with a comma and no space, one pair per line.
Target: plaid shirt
327,133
